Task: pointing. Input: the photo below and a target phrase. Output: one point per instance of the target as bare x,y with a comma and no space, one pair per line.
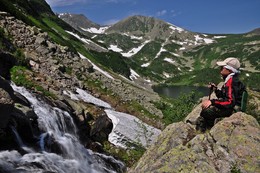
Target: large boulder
6,108
7,62
6,102
231,145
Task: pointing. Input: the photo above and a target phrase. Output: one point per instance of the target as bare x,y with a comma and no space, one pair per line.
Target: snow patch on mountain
175,54
84,40
160,51
96,67
200,40
166,74
133,37
220,37
93,30
176,28
64,14
86,97
208,40
146,64
127,128
133,75
115,48
169,60
135,50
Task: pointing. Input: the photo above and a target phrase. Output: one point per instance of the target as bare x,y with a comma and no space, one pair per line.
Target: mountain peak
255,31
148,27
78,21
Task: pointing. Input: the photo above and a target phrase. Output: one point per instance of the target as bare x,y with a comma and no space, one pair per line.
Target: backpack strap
244,101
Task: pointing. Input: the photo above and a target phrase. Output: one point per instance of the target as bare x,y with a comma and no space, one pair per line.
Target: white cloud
111,22
112,1
55,3
161,13
174,13
116,1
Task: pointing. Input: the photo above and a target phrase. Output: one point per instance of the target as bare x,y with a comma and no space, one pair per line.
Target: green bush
19,55
19,77
175,110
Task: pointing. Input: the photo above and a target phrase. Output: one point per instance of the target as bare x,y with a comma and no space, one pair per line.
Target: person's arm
227,98
218,93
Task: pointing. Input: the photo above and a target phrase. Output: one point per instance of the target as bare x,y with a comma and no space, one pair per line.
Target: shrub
175,110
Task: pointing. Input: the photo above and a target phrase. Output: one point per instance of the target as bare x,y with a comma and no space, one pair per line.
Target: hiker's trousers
211,113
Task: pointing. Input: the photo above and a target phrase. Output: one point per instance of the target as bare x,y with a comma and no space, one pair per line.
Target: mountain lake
176,91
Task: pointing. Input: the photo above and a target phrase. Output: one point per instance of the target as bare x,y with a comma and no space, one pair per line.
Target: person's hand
206,104
212,86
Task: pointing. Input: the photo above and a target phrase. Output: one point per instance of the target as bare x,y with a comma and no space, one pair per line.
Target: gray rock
6,108
232,144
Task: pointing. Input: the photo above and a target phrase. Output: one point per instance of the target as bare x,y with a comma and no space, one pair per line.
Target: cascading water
60,150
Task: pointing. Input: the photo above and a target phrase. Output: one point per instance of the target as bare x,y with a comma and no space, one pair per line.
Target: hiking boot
191,122
217,120
201,124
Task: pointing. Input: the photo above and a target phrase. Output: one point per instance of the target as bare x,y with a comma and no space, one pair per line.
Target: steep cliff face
231,145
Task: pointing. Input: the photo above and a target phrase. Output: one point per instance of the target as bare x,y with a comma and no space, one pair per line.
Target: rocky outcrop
6,107
231,145
6,102
7,62
16,116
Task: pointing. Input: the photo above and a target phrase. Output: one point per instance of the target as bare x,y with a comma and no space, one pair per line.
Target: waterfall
60,150
17,137
20,141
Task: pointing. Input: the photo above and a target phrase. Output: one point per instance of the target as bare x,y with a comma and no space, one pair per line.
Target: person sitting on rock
227,97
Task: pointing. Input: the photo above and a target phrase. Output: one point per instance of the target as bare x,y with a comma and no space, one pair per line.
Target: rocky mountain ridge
78,20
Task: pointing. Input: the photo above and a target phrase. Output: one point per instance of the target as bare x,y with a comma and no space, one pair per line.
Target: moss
246,167
23,77
20,76
129,156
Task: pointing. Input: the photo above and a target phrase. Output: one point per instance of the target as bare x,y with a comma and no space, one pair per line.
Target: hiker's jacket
229,95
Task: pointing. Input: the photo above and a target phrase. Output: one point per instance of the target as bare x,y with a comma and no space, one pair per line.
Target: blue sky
205,16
